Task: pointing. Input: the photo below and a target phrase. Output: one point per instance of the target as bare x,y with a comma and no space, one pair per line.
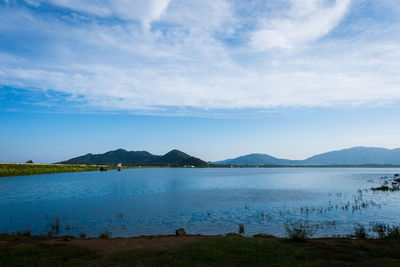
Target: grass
230,250
21,169
258,251
46,255
32,169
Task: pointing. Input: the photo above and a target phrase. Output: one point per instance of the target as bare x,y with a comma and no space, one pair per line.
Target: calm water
206,201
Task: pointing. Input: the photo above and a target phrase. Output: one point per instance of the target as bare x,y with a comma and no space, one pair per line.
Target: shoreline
25,169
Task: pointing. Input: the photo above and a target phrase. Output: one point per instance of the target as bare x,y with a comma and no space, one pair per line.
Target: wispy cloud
145,11
132,55
304,21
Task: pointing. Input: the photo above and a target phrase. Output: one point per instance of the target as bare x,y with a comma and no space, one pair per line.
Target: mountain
255,160
350,156
173,158
357,156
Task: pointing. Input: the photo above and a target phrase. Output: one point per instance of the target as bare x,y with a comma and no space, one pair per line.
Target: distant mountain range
350,156
173,158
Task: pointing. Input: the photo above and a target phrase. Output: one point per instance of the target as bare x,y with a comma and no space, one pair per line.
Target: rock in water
180,232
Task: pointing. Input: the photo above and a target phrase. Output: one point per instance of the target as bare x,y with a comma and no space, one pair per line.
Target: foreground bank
229,250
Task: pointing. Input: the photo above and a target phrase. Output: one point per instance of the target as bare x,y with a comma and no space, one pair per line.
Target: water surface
206,201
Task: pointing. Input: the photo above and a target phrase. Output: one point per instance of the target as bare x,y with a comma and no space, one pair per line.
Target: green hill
174,158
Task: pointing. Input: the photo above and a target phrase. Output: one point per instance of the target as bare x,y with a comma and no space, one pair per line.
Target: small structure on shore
103,169
119,167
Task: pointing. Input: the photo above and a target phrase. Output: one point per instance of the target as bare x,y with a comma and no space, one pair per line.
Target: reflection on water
207,201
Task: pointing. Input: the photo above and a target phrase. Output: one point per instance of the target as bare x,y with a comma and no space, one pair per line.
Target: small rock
180,232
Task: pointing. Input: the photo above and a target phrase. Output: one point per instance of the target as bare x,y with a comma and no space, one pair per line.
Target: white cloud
156,9
184,63
305,21
35,3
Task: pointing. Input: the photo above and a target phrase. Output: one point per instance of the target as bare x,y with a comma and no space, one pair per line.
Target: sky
214,78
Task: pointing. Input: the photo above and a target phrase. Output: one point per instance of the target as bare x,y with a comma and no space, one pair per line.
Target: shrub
105,235
24,233
82,235
360,232
299,231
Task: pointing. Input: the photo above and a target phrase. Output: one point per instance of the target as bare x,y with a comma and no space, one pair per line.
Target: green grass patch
231,250
32,169
236,250
46,255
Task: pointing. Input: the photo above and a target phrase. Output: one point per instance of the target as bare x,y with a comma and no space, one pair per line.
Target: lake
207,201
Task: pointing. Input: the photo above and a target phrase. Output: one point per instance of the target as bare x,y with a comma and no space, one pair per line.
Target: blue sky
216,79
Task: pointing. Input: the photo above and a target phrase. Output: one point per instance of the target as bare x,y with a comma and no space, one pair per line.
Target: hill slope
255,160
350,156
174,158
356,156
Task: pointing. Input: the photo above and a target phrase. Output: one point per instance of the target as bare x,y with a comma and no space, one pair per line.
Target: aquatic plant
299,231
381,188
360,231
55,226
392,187
386,231
241,228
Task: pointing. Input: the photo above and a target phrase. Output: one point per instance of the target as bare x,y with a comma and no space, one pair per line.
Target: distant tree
29,161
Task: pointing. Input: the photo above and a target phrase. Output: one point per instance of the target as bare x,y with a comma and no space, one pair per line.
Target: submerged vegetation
389,185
